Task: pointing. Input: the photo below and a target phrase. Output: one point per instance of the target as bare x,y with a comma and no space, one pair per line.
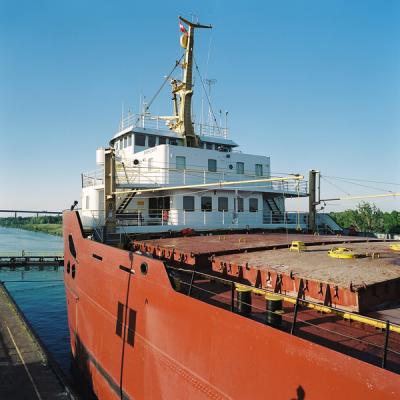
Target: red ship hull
135,337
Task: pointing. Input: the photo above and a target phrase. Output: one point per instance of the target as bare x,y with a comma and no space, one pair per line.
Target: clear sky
313,84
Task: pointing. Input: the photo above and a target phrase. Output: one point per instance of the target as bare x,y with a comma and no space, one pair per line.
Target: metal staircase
272,205
125,201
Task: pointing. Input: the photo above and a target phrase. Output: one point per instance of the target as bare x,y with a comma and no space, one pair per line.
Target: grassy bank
47,224
51,229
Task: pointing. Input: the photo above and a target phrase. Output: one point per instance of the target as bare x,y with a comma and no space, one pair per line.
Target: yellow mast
182,120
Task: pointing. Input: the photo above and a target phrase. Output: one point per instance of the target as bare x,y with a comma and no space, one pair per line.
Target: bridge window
206,203
212,165
240,168
125,141
173,142
253,205
222,204
140,139
162,140
188,203
180,162
130,140
259,170
209,146
121,144
152,141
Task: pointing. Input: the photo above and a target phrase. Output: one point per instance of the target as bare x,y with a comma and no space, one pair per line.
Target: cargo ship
186,278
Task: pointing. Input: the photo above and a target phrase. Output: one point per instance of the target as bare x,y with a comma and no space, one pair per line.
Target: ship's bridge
138,132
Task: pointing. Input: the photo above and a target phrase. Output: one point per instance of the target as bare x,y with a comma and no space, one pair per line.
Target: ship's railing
198,218
132,175
211,131
378,340
156,122
92,178
210,218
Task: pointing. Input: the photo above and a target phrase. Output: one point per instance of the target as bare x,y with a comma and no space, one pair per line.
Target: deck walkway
25,371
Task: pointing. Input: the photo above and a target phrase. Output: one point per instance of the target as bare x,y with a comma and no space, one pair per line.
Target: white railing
198,218
211,131
160,123
92,178
133,175
211,219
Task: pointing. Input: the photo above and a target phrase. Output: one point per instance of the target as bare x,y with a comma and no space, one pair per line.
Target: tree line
369,218
19,221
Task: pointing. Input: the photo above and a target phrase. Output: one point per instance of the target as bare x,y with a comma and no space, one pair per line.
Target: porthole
230,166
144,268
68,267
73,271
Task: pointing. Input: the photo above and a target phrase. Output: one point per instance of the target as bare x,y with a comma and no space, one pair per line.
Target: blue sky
313,84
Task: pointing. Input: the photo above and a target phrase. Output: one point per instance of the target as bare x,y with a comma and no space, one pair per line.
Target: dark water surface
39,294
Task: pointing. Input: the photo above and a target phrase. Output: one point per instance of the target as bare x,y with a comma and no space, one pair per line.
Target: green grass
51,229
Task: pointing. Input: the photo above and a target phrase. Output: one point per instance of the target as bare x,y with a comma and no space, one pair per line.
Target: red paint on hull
183,348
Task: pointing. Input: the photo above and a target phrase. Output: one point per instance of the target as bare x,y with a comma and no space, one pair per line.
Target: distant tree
369,218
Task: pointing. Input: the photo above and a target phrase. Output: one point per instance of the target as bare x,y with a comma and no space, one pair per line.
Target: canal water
39,294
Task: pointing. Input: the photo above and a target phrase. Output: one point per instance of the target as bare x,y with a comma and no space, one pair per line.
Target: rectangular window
152,141
180,162
222,204
209,146
121,144
125,141
140,139
253,205
206,203
259,170
153,207
173,142
188,203
240,205
87,201
116,145
212,165
240,168
130,140
162,140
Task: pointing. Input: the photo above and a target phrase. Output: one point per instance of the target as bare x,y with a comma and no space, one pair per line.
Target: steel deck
194,249
358,284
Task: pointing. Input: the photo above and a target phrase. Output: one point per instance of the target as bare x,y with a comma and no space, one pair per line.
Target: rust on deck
358,284
195,250
264,261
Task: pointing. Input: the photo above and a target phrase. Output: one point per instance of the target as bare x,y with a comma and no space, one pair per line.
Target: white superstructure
161,152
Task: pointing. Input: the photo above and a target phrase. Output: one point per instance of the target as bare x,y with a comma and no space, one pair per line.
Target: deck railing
299,317
138,175
156,122
197,218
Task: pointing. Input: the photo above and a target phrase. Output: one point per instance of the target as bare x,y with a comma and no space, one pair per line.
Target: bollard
243,297
274,304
